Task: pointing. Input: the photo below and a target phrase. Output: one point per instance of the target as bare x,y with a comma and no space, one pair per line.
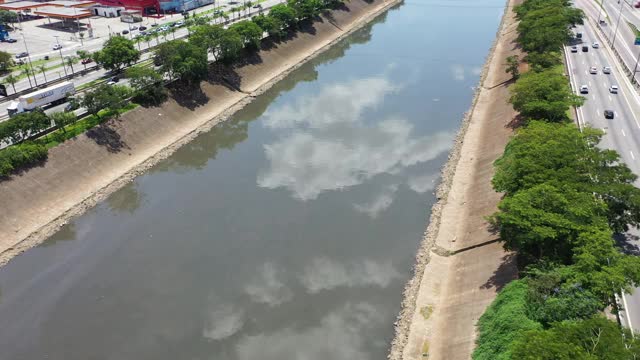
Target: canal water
287,232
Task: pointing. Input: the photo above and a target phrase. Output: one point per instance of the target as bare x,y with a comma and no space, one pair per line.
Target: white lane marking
589,83
626,311
632,156
623,134
610,98
615,114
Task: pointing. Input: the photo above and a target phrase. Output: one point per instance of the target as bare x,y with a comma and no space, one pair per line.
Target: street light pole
61,57
29,57
617,25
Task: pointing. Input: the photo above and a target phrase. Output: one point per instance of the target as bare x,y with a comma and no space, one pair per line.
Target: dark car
608,114
142,28
86,61
22,55
585,48
125,32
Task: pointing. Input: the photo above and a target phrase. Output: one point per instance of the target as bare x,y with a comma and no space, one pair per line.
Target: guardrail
627,71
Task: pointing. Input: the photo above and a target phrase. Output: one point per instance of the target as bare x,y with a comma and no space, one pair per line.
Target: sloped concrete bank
83,171
460,266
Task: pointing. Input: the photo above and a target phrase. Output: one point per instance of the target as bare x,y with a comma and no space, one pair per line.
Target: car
86,61
593,70
22,55
125,32
133,28
585,48
113,80
606,70
10,40
595,45
584,89
579,35
57,46
574,49
257,6
613,89
142,28
608,114
154,25
180,23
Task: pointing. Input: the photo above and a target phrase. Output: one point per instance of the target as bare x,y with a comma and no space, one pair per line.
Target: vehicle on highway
142,28
613,89
608,114
259,6
10,40
584,89
579,35
574,49
22,55
57,46
113,80
593,70
606,70
125,32
180,23
585,48
86,61
595,45
55,94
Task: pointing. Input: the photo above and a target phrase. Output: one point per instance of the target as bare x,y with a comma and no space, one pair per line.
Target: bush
18,156
503,321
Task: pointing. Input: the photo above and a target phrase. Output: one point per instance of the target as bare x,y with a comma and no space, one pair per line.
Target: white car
613,89
57,46
595,45
593,70
584,89
606,70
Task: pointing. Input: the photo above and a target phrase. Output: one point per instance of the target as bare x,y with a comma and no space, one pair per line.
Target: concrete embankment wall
84,170
460,265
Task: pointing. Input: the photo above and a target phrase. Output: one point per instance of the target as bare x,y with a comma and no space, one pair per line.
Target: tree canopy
183,60
250,33
116,53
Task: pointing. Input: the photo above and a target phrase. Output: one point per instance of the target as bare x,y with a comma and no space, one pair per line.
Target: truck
54,94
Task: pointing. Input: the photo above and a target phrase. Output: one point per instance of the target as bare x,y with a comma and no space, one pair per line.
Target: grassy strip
70,131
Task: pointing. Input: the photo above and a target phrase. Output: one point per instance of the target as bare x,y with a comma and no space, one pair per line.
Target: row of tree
564,198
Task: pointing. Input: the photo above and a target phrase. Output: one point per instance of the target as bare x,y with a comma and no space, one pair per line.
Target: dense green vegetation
181,60
564,198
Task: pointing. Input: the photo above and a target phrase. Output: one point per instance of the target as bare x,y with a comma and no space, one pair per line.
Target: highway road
622,133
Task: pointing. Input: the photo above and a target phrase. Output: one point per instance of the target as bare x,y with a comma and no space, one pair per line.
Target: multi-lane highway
622,133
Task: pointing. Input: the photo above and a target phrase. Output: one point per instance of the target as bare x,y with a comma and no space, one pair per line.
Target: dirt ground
461,266
83,171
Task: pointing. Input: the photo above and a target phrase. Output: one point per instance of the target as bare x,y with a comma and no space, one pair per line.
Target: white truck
51,95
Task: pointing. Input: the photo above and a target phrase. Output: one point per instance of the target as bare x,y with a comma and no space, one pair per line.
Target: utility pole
617,25
29,57
61,57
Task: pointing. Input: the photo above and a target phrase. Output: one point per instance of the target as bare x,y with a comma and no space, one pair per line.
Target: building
144,7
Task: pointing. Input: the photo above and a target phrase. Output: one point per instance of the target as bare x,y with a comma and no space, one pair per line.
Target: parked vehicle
21,55
134,28
54,94
57,46
125,32
10,40
142,28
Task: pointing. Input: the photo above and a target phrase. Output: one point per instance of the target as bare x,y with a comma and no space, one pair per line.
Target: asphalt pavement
622,133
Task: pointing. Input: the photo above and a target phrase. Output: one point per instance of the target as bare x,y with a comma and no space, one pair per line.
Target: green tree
513,64
180,59
596,338
27,72
107,97
21,126
543,222
207,37
12,80
117,52
543,61
285,14
231,45
147,84
8,17
61,119
543,95
305,9
563,156
250,33
270,24
69,61
43,68
6,61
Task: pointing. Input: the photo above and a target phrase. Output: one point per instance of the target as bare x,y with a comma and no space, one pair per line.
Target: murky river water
285,233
